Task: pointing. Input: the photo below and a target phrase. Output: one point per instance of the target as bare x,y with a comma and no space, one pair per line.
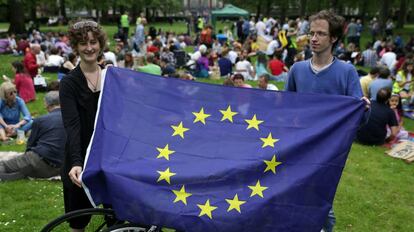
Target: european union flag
201,157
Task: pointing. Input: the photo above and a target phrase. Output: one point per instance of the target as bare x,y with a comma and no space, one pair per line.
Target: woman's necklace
94,86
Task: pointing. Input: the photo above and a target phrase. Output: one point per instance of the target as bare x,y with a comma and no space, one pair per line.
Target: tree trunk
384,14
62,8
258,9
302,8
363,12
33,15
283,9
104,14
334,5
16,17
402,16
268,7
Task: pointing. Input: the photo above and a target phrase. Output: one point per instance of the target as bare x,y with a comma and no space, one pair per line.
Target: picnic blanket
403,150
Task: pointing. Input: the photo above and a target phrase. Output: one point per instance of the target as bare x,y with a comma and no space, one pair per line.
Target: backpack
282,38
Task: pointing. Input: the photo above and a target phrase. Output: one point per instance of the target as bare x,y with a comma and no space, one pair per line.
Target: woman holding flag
79,94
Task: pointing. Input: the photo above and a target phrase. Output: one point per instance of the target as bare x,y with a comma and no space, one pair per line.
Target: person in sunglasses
12,108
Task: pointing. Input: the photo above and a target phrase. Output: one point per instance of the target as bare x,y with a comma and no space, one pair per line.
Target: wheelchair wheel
130,227
100,220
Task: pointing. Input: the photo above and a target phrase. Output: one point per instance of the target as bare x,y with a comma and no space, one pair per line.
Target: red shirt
276,67
30,64
153,49
25,87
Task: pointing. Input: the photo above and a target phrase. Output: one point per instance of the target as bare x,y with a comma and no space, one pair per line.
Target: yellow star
165,175
228,114
253,123
272,164
164,152
257,189
179,130
206,209
269,141
181,195
235,203
201,116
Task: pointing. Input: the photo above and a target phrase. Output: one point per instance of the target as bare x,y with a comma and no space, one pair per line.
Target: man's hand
74,175
367,103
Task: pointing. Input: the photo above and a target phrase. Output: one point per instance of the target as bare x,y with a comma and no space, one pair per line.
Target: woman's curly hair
79,32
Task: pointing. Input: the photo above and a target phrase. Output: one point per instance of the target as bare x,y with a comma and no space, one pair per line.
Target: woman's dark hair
237,76
383,95
71,58
18,65
261,58
399,106
406,64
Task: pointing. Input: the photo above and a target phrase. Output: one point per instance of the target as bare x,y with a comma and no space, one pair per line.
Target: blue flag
201,157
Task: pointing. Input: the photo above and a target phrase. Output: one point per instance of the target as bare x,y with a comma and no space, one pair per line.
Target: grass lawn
375,192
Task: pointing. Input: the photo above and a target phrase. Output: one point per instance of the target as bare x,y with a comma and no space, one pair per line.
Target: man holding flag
324,73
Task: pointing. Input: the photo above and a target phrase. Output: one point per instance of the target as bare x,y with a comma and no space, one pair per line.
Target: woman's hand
74,175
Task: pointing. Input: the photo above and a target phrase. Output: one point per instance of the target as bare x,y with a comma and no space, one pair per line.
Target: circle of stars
235,203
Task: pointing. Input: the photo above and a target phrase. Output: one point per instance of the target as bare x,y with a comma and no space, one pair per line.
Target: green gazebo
228,11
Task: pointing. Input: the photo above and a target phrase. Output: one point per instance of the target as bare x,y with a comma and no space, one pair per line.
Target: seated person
24,83
226,67
202,66
150,67
54,61
383,81
263,83
45,146
11,107
375,130
277,68
238,81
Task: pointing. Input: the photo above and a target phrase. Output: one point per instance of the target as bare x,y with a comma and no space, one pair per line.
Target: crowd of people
307,55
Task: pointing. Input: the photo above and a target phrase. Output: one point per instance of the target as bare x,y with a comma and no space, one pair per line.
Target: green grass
375,192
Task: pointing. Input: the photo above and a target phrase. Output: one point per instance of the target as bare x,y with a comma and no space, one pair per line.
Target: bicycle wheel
100,220
130,227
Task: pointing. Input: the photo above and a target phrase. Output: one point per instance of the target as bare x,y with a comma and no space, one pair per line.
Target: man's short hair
52,98
374,70
150,57
336,23
383,95
384,73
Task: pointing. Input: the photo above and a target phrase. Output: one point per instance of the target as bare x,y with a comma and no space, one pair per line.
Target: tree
16,16
384,13
62,9
402,14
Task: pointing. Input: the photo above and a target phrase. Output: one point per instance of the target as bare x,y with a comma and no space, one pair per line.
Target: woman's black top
79,106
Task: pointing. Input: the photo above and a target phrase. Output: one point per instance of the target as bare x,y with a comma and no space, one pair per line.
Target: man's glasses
83,24
319,34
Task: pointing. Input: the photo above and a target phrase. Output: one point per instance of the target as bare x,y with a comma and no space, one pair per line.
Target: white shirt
41,58
271,87
260,28
244,67
389,59
271,47
232,56
54,60
408,77
111,57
